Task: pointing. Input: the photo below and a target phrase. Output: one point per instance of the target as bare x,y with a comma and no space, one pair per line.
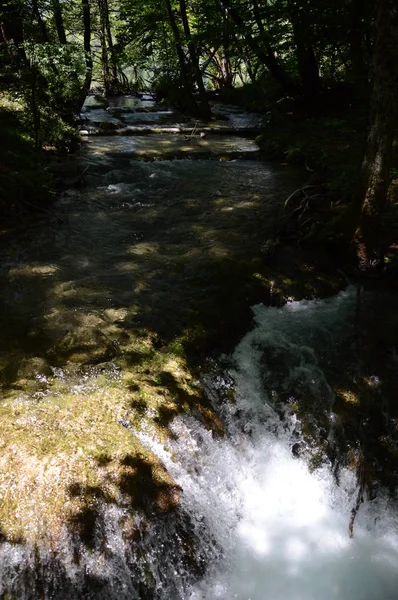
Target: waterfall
275,529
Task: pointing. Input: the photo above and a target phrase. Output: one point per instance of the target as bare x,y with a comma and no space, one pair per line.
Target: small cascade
281,528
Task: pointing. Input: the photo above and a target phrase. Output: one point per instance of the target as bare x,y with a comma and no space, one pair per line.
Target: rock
109,125
34,368
298,449
101,100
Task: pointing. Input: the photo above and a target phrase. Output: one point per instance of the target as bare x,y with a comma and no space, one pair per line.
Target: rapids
282,530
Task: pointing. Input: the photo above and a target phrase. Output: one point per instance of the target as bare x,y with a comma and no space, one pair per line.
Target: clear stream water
137,233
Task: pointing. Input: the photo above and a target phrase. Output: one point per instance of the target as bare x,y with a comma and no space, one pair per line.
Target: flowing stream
282,530
153,231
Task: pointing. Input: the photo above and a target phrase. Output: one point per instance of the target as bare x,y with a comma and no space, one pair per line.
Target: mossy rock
33,368
110,126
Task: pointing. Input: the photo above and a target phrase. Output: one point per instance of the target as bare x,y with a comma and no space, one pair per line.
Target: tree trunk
59,22
365,211
227,71
360,10
258,19
111,47
306,59
87,52
40,22
106,74
185,74
266,55
7,44
195,62
109,66
12,31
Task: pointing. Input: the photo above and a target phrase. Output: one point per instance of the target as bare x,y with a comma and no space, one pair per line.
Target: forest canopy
53,51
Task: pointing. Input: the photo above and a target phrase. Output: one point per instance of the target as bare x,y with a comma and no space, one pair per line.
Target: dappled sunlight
55,447
143,248
31,270
153,239
167,146
107,305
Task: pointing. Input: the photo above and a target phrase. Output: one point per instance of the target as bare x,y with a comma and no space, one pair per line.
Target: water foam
278,531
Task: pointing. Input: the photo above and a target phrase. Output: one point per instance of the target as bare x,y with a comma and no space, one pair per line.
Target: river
127,471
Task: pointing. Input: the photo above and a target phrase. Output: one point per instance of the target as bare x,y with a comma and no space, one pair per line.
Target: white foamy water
272,530
290,540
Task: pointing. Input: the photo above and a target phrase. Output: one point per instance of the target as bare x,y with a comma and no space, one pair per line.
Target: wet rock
109,126
34,368
298,449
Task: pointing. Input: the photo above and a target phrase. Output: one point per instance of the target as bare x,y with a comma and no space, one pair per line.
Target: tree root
306,207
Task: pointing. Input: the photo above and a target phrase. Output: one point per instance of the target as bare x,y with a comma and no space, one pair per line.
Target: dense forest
288,58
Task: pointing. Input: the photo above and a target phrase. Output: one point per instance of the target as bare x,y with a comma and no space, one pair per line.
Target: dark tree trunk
87,52
263,51
365,211
40,22
7,43
205,108
360,19
227,71
11,21
306,59
258,19
112,54
59,22
186,76
109,66
106,74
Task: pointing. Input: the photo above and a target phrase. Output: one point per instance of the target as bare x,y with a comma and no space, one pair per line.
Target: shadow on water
172,249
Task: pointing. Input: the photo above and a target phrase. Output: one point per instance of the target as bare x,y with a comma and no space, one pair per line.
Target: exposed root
356,507
304,208
193,133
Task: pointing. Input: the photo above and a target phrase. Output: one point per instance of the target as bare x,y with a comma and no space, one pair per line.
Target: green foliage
53,81
24,183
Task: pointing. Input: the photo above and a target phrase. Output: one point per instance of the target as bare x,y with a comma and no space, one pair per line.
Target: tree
11,26
262,49
299,14
59,22
194,60
364,214
109,63
87,51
